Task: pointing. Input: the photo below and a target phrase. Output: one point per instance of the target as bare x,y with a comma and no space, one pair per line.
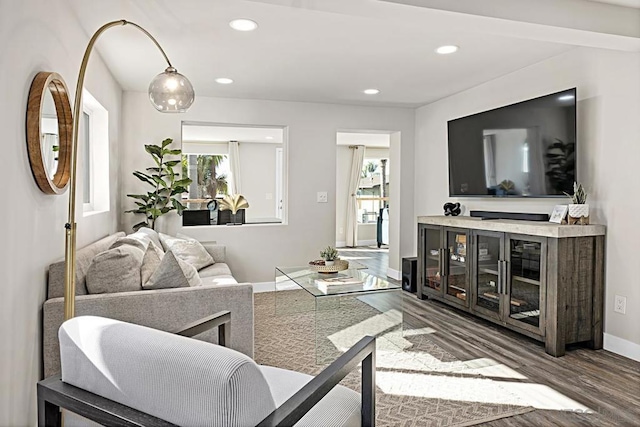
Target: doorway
367,227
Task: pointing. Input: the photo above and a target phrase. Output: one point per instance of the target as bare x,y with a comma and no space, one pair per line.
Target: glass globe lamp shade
171,92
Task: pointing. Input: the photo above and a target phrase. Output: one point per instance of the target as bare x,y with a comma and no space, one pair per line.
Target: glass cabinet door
487,278
456,266
432,280
526,274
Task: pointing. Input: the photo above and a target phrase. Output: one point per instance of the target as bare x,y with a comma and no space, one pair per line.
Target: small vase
578,214
329,263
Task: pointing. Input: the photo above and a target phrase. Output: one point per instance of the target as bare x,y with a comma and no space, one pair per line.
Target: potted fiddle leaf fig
579,209
166,186
330,255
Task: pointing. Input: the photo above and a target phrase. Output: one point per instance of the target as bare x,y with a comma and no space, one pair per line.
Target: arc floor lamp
169,92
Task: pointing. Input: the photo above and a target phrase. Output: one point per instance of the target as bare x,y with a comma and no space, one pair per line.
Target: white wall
608,85
38,37
254,250
258,178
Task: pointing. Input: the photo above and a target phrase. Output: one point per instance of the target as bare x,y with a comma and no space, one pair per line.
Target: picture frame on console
559,214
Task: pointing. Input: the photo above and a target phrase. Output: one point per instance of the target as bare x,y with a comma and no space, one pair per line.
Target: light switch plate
322,197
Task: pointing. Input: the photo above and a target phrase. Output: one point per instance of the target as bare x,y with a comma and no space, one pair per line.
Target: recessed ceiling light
243,24
445,50
224,81
566,97
371,91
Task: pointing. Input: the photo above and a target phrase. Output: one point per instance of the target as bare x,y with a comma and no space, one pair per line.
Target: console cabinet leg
597,336
554,347
596,344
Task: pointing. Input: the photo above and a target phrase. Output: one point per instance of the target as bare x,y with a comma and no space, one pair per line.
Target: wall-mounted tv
526,149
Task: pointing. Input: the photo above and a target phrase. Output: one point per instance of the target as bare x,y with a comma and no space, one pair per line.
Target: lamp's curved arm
70,226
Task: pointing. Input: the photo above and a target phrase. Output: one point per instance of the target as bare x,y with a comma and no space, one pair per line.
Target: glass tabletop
352,280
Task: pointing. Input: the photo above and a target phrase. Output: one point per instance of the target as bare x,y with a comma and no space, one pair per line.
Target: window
235,159
209,175
93,156
86,162
373,193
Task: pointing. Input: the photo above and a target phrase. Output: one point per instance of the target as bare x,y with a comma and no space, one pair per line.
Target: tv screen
526,149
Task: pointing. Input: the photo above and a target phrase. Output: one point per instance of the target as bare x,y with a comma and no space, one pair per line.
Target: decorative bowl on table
321,267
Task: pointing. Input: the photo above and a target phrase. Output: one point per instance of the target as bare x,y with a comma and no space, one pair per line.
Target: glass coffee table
347,306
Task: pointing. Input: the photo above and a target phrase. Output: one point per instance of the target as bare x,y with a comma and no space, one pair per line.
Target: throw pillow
136,240
151,235
173,273
151,261
115,270
191,251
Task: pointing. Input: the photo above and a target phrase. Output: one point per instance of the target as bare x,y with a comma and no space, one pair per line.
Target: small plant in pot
329,255
579,209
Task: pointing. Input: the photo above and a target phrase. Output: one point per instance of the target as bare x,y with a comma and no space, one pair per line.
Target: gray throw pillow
173,273
151,261
136,240
115,270
189,250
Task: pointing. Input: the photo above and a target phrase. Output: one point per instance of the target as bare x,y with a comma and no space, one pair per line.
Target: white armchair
117,373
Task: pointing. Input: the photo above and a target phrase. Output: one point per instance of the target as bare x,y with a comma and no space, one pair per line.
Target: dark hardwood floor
607,384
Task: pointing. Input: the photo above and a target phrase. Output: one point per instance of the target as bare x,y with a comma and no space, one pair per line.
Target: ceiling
307,53
626,3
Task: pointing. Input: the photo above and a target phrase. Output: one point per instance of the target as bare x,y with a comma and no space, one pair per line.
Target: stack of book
338,284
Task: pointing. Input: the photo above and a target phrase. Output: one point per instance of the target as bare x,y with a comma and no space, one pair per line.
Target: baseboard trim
394,274
622,347
343,244
263,287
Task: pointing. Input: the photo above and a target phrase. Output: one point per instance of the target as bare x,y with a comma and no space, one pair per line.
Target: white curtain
234,168
352,202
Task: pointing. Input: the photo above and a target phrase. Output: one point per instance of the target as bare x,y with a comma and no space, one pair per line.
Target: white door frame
279,202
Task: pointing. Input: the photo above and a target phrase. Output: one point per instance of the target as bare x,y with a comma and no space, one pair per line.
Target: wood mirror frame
53,83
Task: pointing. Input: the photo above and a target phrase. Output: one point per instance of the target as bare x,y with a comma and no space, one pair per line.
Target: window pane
86,158
374,190
208,174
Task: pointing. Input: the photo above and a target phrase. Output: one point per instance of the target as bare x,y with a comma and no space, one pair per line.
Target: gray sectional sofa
164,309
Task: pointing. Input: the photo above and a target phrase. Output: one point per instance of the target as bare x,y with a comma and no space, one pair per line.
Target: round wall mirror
49,127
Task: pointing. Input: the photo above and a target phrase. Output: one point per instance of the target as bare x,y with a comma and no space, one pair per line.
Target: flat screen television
526,149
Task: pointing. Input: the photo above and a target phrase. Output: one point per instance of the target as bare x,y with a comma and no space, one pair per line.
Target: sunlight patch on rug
423,385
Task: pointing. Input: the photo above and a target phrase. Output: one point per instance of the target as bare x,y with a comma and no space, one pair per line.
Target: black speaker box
196,217
410,274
